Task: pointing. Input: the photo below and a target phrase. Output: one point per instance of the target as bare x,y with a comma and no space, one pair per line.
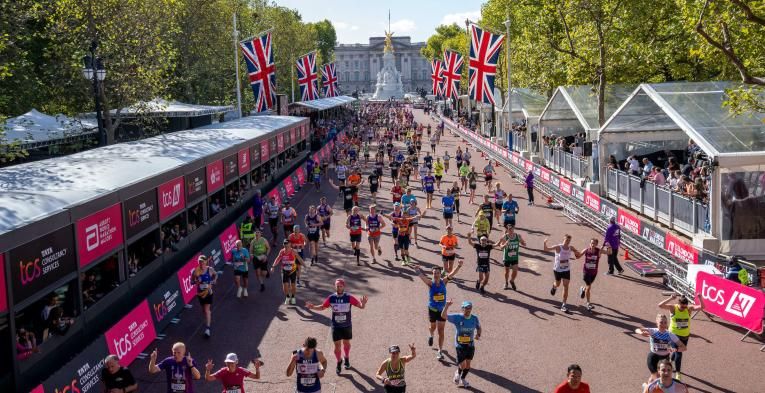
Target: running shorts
438,177
342,333
447,258
325,225
355,238
272,222
288,228
313,237
289,277
508,221
488,177
260,262
510,262
482,268
589,278
465,352
562,275
403,242
205,300
434,315
448,216
653,361
241,273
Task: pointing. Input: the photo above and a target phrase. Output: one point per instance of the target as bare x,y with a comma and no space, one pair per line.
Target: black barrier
214,251
196,185
41,262
165,303
82,374
231,168
608,209
653,234
140,213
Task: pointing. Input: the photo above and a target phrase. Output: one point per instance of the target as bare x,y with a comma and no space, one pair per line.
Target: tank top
510,251
288,217
296,240
395,216
354,221
324,211
313,222
591,259
680,322
499,195
259,246
456,193
395,378
656,387
341,310
340,171
437,296
373,223
273,210
562,259
204,283
307,373
412,211
288,261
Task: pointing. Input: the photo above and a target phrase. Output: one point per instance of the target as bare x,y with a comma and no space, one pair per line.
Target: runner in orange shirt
374,224
354,181
448,249
298,241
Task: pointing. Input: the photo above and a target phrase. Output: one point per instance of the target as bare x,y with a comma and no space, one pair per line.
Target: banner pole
236,66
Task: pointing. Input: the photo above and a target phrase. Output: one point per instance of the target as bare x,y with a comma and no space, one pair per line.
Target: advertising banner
265,151
275,194
196,185
99,234
185,282
132,334
41,262
214,176
255,156
140,212
608,209
300,175
592,200
544,174
214,252
3,291
628,222
653,234
731,301
528,165
316,157
555,180
565,186
244,161
293,136
282,192
578,193
288,186
165,303
680,250
280,142
82,374
231,167
304,131
228,240
172,199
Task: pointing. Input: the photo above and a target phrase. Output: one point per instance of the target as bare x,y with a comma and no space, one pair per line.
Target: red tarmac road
527,342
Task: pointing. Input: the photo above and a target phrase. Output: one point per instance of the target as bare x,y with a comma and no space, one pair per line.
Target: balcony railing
566,163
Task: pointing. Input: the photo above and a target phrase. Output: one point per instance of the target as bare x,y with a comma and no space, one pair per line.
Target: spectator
529,183
647,167
674,179
117,379
573,382
633,166
612,238
612,163
658,177
257,209
215,207
26,344
689,167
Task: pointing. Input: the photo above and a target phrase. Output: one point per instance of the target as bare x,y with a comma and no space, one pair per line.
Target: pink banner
275,193
528,165
293,135
3,291
171,198
251,212
185,279
565,186
214,176
40,389
628,222
265,151
244,161
731,301
289,186
592,200
680,249
544,173
316,157
228,241
99,233
300,175
132,334
505,153
280,142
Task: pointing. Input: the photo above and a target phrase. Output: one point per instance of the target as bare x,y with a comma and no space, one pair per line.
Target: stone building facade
357,64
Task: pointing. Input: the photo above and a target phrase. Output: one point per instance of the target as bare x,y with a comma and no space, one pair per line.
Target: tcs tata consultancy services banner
731,301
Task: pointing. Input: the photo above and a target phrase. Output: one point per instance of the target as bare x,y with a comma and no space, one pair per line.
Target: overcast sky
356,21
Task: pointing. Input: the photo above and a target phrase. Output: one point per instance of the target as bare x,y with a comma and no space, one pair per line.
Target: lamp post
469,105
509,88
93,69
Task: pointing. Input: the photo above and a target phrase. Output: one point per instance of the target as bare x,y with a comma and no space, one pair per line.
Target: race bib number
178,386
483,254
287,266
660,346
590,265
340,318
312,229
464,339
233,389
563,265
307,381
439,297
204,286
682,324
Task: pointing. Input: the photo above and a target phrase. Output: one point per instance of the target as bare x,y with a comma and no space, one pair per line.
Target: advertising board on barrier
578,193
214,176
214,253
565,186
275,194
99,233
165,303
255,156
230,167
731,301
293,136
132,334
680,250
288,186
273,147
608,209
280,142
3,297
592,201
265,151
544,174
628,222
172,199
300,172
80,375
653,234
555,180
196,185
140,212
244,161
41,262
185,281
228,241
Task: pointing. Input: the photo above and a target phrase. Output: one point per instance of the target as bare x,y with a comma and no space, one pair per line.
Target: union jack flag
259,56
436,73
484,52
452,74
308,78
329,80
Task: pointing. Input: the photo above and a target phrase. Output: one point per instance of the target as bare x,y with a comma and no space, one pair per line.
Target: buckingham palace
358,64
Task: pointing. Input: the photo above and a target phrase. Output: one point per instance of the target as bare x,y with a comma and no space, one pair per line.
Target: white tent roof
35,127
579,105
161,108
326,103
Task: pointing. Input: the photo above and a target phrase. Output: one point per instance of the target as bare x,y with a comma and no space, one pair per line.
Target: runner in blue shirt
437,301
509,210
408,197
429,185
448,207
467,330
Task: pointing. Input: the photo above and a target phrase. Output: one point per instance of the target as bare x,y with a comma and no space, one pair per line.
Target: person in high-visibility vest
680,323
246,232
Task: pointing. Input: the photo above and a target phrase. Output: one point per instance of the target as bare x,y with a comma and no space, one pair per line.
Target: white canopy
159,107
36,129
326,103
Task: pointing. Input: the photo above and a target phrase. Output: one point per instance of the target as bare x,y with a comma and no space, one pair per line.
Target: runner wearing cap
499,199
313,223
414,214
510,245
467,329
455,192
240,258
309,366
204,276
289,261
374,226
342,331
488,175
298,241
393,367
591,259
488,211
680,323
180,369
325,212
436,301
403,224
259,250
353,223
396,191
562,267
288,217
483,261
232,376
660,340
665,383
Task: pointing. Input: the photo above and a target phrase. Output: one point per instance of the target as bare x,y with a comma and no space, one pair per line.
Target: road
527,342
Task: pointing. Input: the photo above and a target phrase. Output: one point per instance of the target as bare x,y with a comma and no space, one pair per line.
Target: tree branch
571,51
749,14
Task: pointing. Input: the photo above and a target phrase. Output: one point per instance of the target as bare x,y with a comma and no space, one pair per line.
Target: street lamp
93,70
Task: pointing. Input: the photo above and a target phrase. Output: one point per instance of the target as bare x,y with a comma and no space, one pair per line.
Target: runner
438,170
448,245
317,177
436,301
204,276
342,328
562,267
325,212
488,175
499,198
665,383
660,340
510,245
240,258
680,323
288,217
455,191
488,211
466,157
414,213
325,168
422,171
403,224
298,241
448,202
472,183
483,260
510,209
259,250
309,366
355,180
396,192
289,261
408,197
353,223
612,238
458,158
272,208
481,225
591,259
394,166
180,369
232,377
428,182
573,382
397,213
428,160
347,193
374,184
313,224
341,171
447,158
467,329
433,142
393,367
374,226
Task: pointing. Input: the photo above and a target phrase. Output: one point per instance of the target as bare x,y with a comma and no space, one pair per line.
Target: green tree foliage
326,40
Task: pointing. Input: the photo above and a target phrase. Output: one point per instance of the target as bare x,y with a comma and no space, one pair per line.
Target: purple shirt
613,236
530,180
257,206
179,378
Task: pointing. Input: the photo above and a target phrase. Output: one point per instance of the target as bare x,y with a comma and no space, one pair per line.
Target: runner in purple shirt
612,238
590,268
180,369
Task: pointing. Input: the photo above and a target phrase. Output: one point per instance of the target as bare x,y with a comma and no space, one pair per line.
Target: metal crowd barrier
675,210
566,163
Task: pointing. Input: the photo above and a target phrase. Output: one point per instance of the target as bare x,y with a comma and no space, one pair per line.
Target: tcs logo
29,271
160,311
123,346
71,388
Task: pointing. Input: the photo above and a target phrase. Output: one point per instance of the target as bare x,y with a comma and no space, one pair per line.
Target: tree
326,40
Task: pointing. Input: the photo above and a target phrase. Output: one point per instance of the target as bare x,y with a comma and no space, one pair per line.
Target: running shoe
268,273
465,383
477,285
512,285
430,341
397,258
621,272
563,307
507,286
456,378
298,282
207,332
590,306
293,301
244,292
552,291
609,273
440,355
239,292
483,290
379,251
581,292
339,367
286,300
347,363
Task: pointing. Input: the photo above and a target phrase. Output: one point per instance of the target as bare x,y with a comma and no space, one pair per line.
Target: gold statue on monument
388,42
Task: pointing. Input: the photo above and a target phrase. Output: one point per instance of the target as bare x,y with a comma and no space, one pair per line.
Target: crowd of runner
380,137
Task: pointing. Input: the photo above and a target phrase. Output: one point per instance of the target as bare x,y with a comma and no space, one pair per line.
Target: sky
356,21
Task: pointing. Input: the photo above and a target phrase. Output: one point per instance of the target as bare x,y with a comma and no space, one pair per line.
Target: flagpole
236,66
469,104
292,82
509,87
